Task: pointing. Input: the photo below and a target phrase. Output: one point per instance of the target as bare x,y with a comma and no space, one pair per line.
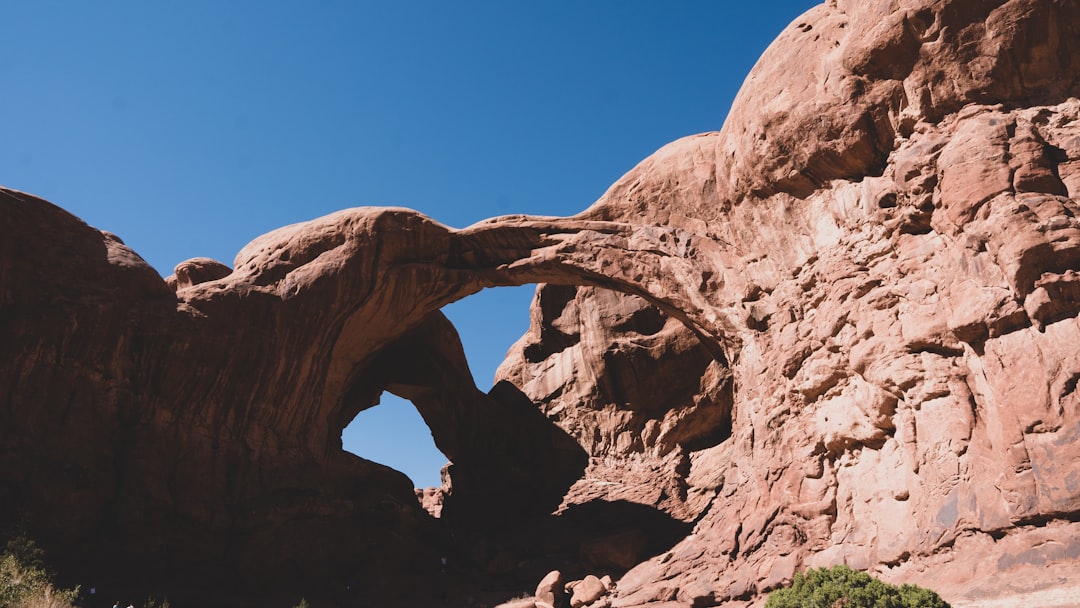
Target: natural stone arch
224,399
369,283
374,274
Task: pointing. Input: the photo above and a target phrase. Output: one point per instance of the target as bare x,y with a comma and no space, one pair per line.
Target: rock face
894,196
165,437
843,329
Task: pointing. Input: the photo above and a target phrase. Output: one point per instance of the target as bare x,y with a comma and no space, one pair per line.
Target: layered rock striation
894,196
843,329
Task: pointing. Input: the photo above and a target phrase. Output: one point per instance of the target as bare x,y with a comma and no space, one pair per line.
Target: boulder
586,591
551,589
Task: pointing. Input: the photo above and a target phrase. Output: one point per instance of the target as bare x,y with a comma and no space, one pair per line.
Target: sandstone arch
225,400
356,281
370,283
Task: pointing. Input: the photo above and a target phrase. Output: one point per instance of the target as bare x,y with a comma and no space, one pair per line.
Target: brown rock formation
842,329
195,435
895,198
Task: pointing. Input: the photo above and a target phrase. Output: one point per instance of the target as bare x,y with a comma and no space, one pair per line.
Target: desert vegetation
25,581
842,587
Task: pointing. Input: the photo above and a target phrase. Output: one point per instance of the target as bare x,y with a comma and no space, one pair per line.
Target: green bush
842,587
24,581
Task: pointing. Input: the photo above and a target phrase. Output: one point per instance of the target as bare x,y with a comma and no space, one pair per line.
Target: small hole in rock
888,201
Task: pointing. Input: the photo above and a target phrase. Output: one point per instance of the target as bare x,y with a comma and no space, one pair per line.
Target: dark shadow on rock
509,460
520,464
599,537
511,467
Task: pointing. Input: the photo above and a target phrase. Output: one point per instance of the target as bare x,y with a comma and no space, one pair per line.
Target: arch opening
392,431
394,434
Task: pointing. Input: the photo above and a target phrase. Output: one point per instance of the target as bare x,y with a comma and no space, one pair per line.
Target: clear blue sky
189,128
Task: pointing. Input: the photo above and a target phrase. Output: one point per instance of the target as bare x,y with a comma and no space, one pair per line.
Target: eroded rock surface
197,432
843,329
895,195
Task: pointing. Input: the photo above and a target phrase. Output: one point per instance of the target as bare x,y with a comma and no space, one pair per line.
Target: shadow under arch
511,467
508,459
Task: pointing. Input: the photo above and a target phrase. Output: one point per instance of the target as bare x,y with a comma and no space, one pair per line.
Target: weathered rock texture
842,329
196,434
885,239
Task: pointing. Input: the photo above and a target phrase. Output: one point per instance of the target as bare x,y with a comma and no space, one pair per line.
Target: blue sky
189,128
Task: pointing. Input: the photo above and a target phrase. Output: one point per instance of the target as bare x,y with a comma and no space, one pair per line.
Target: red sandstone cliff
891,219
842,329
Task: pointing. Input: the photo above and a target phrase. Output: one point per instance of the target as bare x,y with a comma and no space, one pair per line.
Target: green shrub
842,587
24,581
26,552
